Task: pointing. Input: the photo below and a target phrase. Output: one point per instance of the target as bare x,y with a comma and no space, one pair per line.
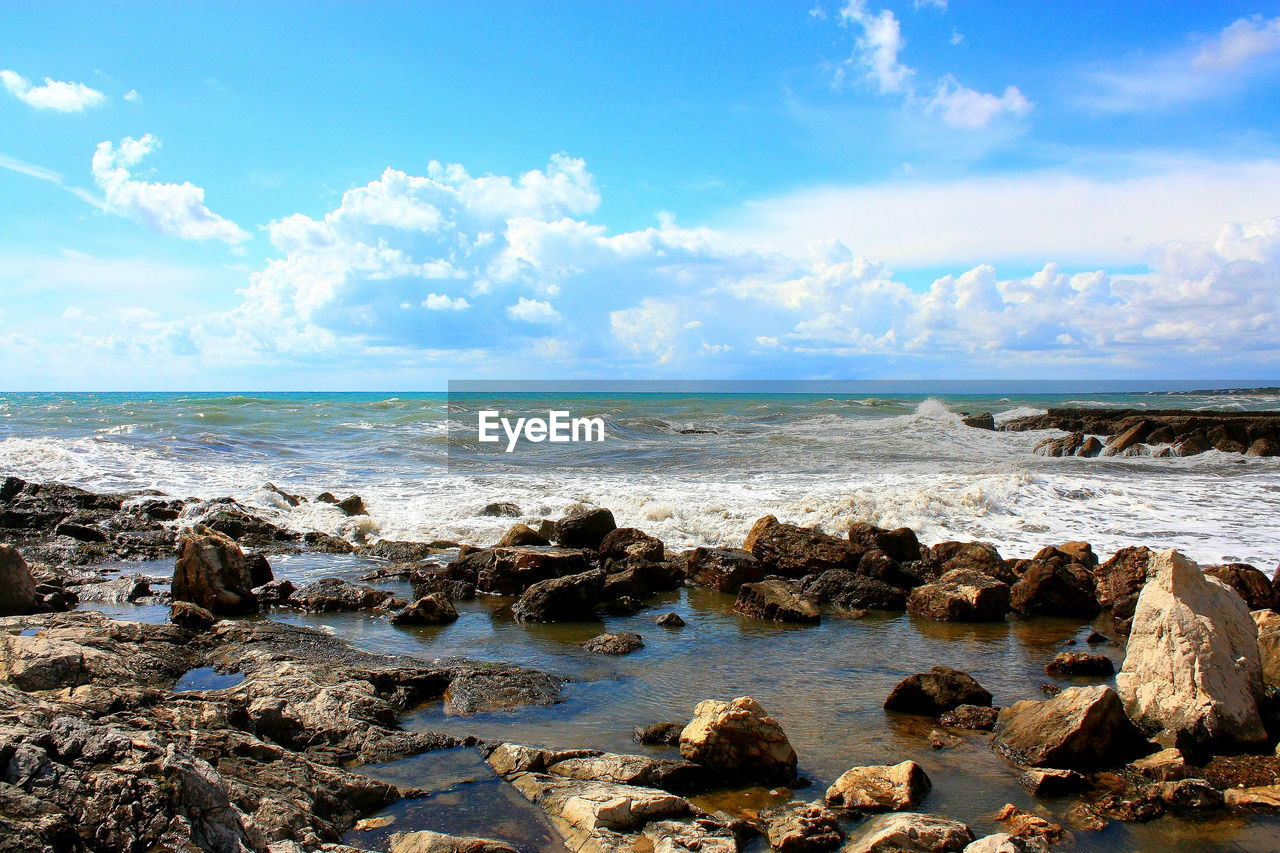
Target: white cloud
966,108
1242,41
440,302
53,95
940,5
878,45
174,209
533,311
132,96
648,328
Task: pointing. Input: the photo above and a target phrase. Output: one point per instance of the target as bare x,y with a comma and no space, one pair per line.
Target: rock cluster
1189,433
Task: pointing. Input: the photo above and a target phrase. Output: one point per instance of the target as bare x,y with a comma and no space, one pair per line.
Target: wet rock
1003,842
1049,588
433,579
434,609
1268,622
1048,782
794,552
778,600
1260,798
844,588
878,565
739,740
670,620
801,828
581,809
191,617
1080,727
425,841
658,734
1090,447
1193,445
1167,765
899,544
723,569
1123,575
939,739
246,529
1096,638
521,534
1192,664
1249,583
330,595
623,643
1079,663
1118,444
1027,825
909,832
1067,445
396,551
573,598
973,717
483,691
939,690
124,590
17,587
884,788
501,509
289,499
273,593
1263,447
628,542
1190,795
585,528
511,571
976,556
212,573
638,579
986,420
663,773
962,595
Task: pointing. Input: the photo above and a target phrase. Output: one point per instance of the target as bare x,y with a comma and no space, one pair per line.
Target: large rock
426,841
621,643
962,595
1268,622
17,587
434,609
1192,666
1080,727
799,827
573,598
978,556
1052,588
333,595
850,590
1251,585
482,691
909,832
794,552
777,600
739,740
521,534
886,788
899,544
212,573
585,528
1003,842
663,773
512,570
935,692
1123,575
723,569
1079,663
627,542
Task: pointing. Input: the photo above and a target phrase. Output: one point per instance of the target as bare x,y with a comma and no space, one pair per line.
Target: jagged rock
899,544
1193,445
1226,428
670,620
483,691
1048,588
1119,443
1067,445
190,616
501,509
1049,782
623,643
123,590
628,542
275,592
778,600
397,551
1079,663
581,810
1192,664
1249,583
974,717
425,841
739,740
662,773
801,828
521,534
512,570
1027,825
1167,765
1123,575
934,692
1263,447
17,587
1080,727
909,832
585,528
794,552
211,572
434,609
329,595
884,788
246,529
962,595
844,588
1003,842
565,599
1268,622
977,556
723,569
1090,447
432,579
986,420
658,734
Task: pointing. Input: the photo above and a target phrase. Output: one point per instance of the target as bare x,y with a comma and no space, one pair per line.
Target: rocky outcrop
434,609
1268,622
211,572
777,600
1080,727
332,595
512,570
962,595
17,587
740,741
723,569
909,832
793,552
623,643
899,544
887,788
1227,431
1192,664
585,528
935,692
426,841
566,599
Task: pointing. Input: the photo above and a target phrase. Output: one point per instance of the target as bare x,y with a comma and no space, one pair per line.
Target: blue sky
374,195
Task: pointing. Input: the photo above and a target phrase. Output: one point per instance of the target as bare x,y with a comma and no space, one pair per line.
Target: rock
801,828
777,600
190,616
434,609
846,589
425,841
565,599
331,595
1080,727
82,532
248,530
512,570
1193,445
1190,795
963,595
794,552
1079,663
638,579
723,569
584,811
739,740
1096,637
259,570
625,542
670,620
661,773
623,643
397,551
1048,588
432,579
211,572
658,734
1249,583
1268,622
1090,447
1192,664
1048,782
1264,797
1027,825
122,590
877,565
482,691
899,544
501,509
939,739
1263,447
585,528
939,690
275,592
1123,441
521,534
974,717
1003,842
886,788
986,420
977,556
1067,445
353,505
1167,765
1122,575
1165,426
909,832
289,499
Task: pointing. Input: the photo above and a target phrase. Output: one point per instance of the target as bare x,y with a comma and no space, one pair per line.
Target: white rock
1003,842
909,832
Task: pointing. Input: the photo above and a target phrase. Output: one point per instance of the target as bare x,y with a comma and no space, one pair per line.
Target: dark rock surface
1194,431
939,690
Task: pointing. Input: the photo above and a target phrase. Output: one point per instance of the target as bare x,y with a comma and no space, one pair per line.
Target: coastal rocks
434,609
899,544
1052,588
1268,622
628,542
585,528
512,570
935,692
426,841
396,551
246,529
1263,447
801,828
962,595
1027,825
191,617
658,734
130,589
1049,782
846,589
1193,431
909,832
1249,583
896,787
1003,842
1261,798
1067,445
623,643
1123,575
1192,664
564,599
976,556
212,573
661,773
794,552
986,420
1167,765
777,600
501,509
974,717
739,740
1079,663
1080,727
331,595
17,587
723,569
482,691
669,620
433,579
521,534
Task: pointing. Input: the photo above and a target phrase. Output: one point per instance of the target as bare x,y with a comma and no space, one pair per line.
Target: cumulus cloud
440,302
533,311
878,44
177,210
54,95
963,107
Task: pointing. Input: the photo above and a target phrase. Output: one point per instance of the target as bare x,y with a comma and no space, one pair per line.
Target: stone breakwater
99,753
1173,432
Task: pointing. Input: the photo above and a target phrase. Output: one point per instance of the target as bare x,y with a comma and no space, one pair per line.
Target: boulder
512,570
1079,663
572,598
974,717
1190,795
978,556
778,600
521,534
658,734
1268,622
887,788
1262,798
1049,782
1118,444
1249,583
739,740
794,552
332,595
798,827
432,579
501,509
627,542
275,592
1192,666
623,643
962,595
1122,575
670,620
1263,447
662,773
909,832
426,841
723,569
211,572
1067,445
434,609
878,565
899,544
937,691
1167,765
585,528
1003,842
482,691
1049,588
190,616
846,589
1080,727
986,420
1027,825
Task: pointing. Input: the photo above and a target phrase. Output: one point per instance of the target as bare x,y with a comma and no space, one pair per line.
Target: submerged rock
482,691
723,569
896,787
501,509
739,740
909,832
623,643
846,589
434,609
962,595
937,691
670,620
777,600
1079,663
212,573
973,717
658,734
663,773
1003,842
1080,727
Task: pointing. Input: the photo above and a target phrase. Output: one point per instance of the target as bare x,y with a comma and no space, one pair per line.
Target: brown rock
1079,663
585,528
1268,622
434,609
521,534
777,600
1048,782
886,788
17,587
1252,585
1028,825
628,542
794,552
909,832
974,717
568,599
193,617
962,595
211,572
1049,589
1080,727
723,569
798,827
739,740
899,544
426,841
623,643
937,691
1123,575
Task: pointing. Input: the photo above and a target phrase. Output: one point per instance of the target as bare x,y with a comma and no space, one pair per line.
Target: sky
388,196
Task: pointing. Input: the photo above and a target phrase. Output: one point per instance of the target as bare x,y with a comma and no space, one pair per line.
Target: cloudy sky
385,196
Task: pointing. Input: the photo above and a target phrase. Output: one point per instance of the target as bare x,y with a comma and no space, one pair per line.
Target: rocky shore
1129,432
100,752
